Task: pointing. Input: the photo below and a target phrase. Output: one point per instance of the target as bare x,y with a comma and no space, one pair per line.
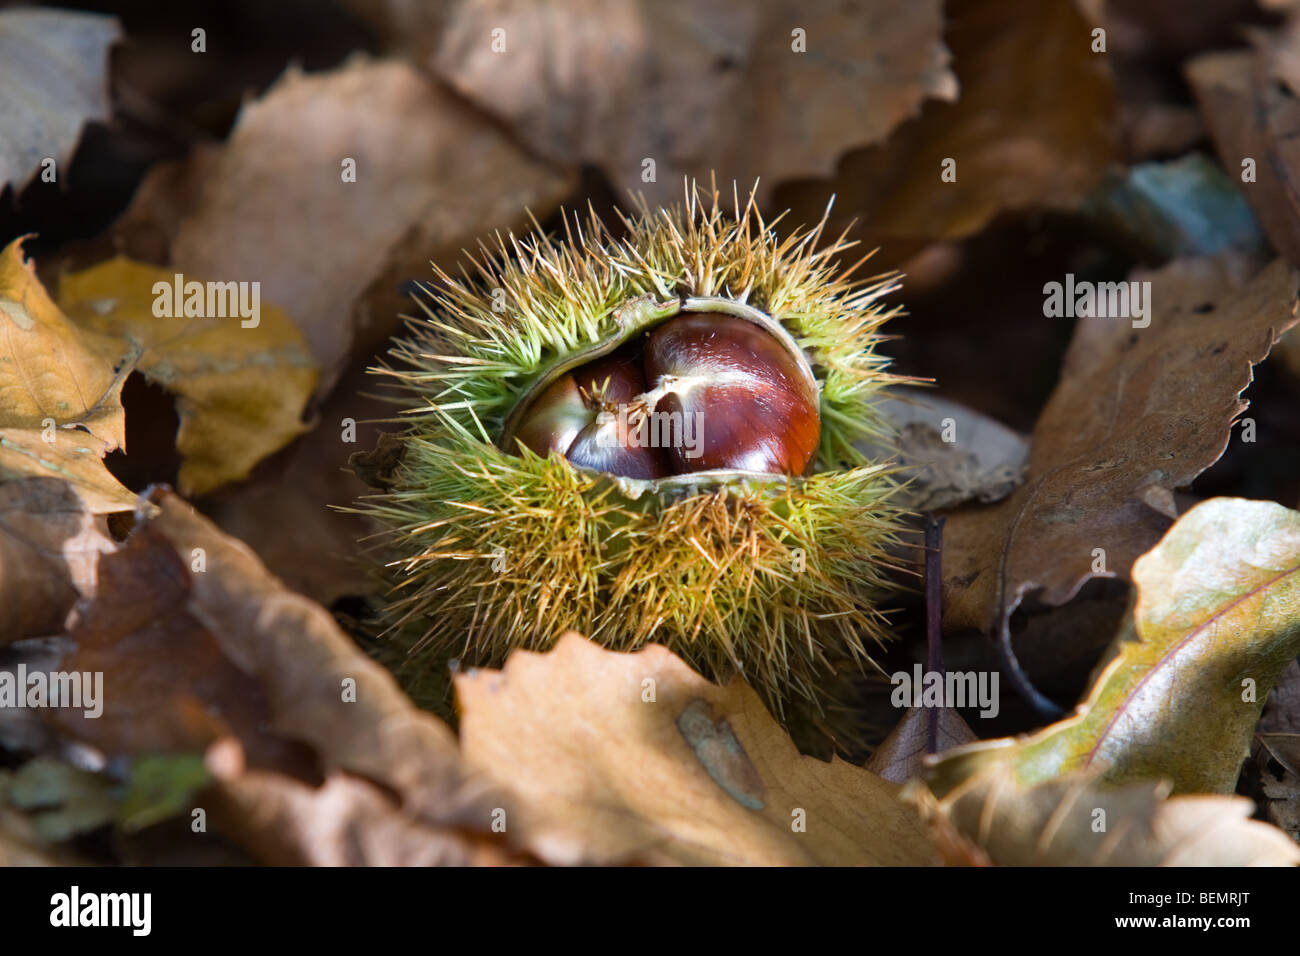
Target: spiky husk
777,578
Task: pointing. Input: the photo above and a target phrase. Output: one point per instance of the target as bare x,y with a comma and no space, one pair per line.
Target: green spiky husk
487,551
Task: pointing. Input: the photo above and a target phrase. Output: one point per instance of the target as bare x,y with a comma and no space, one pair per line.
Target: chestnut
754,408
703,391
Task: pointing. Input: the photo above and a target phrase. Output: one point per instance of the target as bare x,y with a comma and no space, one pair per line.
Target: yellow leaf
240,389
60,401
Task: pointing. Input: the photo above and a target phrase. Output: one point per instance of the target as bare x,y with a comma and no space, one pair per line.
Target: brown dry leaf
169,687
1282,710
1248,99
637,758
241,391
697,87
901,755
431,175
166,195
199,644
49,552
60,407
985,462
346,821
1069,821
1138,413
1013,144
53,80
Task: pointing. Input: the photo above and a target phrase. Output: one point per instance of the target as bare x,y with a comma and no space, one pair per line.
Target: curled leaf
1140,411
1215,622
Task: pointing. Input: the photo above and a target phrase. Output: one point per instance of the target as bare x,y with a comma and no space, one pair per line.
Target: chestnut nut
703,391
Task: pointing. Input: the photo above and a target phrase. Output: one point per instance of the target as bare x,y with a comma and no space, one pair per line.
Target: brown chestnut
743,390
702,391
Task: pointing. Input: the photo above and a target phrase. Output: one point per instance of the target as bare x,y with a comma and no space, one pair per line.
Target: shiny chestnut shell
702,391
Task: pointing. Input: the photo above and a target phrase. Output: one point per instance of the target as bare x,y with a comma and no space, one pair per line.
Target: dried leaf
1281,789
1215,623
346,821
635,757
166,195
241,391
167,685
1071,821
60,406
901,755
202,648
950,453
1012,144
1282,711
430,175
697,87
49,550
53,80
1138,413
1248,99
1278,755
